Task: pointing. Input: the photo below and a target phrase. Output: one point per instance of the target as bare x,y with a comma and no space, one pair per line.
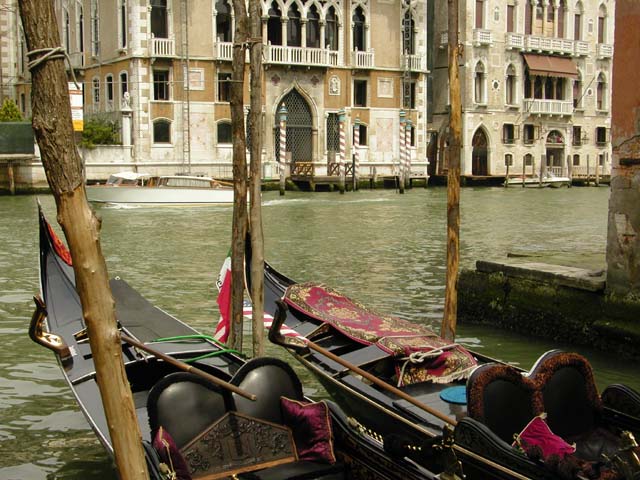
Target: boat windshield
127,178
193,182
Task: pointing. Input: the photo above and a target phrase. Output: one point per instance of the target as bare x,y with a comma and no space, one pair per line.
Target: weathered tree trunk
448,330
54,133
239,174
255,207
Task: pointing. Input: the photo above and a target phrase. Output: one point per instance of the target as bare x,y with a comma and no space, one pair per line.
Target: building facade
160,70
536,87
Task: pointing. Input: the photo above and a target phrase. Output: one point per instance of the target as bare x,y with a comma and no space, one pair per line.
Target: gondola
491,406
191,427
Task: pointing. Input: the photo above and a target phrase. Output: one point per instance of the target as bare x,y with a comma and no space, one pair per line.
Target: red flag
224,301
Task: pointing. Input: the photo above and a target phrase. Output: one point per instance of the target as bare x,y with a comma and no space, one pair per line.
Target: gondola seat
572,403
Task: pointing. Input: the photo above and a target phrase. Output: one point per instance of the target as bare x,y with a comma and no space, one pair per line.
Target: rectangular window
601,159
479,13
122,13
409,100
510,17
96,91
577,136
528,160
363,135
224,87
508,133
508,160
95,29
160,85
359,93
224,132
109,90
577,27
576,160
528,134
601,136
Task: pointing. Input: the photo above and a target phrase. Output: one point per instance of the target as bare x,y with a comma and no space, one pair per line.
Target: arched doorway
480,163
299,128
555,152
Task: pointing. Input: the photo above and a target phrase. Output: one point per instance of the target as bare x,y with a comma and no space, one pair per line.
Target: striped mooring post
343,145
356,153
283,147
403,147
407,153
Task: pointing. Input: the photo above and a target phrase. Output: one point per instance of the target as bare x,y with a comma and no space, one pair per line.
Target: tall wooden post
570,170
282,149
239,227
407,153
343,147
449,320
53,129
403,145
255,181
506,177
356,153
11,177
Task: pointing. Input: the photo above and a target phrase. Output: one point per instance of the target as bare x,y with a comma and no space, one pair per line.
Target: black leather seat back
185,404
569,393
269,379
501,398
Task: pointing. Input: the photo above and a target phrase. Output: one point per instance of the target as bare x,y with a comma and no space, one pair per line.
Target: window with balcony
508,133
122,24
528,134
331,29
601,136
294,27
577,136
359,33
576,160
508,160
359,93
274,25
159,21
511,14
161,131
480,85
480,5
510,87
601,93
313,27
95,83
408,34
224,87
528,15
224,26
108,86
224,132
161,85
602,24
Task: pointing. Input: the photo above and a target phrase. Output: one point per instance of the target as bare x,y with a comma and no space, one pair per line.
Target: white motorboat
141,189
548,180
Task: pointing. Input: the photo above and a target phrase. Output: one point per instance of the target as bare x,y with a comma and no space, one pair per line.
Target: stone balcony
482,37
604,50
360,59
163,47
546,45
414,63
539,106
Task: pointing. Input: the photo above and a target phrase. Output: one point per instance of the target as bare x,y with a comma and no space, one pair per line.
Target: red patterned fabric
401,338
311,427
59,247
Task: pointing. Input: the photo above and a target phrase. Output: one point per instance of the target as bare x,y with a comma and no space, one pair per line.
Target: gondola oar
298,343
186,367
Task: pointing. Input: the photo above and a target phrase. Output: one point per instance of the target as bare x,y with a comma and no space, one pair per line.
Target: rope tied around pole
50,53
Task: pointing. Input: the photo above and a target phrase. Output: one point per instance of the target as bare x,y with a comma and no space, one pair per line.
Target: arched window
159,22
124,84
577,22
66,30
480,80
122,24
80,27
223,21
510,86
408,34
331,30
508,160
294,27
224,132
274,25
602,24
161,131
528,160
108,87
601,93
313,27
359,40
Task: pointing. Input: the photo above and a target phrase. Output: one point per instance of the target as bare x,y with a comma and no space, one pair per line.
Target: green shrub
9,112
99,132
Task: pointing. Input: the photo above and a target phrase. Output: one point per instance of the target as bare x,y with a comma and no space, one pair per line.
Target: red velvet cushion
537,435
311,427
170,454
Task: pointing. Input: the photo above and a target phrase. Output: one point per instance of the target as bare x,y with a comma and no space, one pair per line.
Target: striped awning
548,66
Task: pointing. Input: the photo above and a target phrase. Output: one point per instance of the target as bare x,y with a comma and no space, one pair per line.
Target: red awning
548,66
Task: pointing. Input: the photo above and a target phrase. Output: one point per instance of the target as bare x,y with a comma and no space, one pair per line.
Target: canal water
382,248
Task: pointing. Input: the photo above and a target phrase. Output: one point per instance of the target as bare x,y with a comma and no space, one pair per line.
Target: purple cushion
311,427
537,435
170,454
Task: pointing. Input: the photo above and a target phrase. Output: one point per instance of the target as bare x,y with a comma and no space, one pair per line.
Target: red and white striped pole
407,152
356,153
403,147
282,149
343,146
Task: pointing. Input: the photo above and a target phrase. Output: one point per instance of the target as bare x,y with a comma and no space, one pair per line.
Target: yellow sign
76,100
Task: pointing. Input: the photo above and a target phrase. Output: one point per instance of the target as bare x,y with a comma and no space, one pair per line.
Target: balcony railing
162,47
548,107
415,63
514,40
223,51
362,59
548,44
604,50
581,48
278,54
482,37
